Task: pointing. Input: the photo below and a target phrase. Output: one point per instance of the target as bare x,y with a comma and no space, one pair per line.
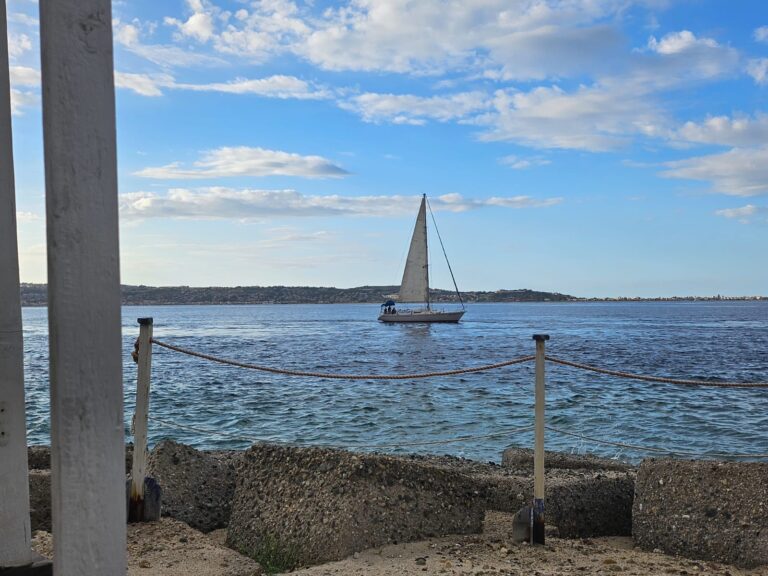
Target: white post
537,518
87,435
136,510
14,481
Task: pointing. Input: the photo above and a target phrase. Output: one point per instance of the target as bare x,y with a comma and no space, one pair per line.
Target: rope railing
143,351
660,379
458,371
287,372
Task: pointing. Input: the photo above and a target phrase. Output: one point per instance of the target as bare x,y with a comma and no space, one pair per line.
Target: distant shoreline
33,295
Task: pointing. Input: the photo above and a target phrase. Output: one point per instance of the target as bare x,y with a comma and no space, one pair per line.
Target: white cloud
18,44
724,131
505,39
758,69
518,163
761,34
175,57
457,203
680,58
247,161
745,214
142,84
21,18
271,27
126,34
678,42
548,51
595,118
742,212
249,204
738,172
614,110
24,76
416,110
497,40
198,26
166,56
24,217
516,39
21,99
278,86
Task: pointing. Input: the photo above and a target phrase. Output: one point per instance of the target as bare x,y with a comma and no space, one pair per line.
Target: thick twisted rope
654,450
520,360
286,372
355,446
657,378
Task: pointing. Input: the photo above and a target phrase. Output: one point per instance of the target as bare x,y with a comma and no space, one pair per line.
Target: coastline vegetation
37,295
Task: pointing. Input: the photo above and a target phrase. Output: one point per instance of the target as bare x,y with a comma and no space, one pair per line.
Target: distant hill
36,295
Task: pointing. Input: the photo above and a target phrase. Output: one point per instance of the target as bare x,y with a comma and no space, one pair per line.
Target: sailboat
415,284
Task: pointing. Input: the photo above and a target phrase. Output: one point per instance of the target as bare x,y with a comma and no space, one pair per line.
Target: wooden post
14,479
537,513
87,428
142,507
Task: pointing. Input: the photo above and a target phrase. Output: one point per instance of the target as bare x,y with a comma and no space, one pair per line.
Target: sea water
210,405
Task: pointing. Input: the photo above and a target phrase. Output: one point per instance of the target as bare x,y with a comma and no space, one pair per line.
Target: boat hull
422,316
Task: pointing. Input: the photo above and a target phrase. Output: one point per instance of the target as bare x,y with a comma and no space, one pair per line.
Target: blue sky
592,147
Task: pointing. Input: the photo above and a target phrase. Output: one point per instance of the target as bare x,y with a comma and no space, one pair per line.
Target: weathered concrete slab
703,510
39,457
597,504
40,499
197,486
317,505
522,459
580,501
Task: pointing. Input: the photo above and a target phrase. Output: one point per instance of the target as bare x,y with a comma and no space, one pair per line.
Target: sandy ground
171,548
489,554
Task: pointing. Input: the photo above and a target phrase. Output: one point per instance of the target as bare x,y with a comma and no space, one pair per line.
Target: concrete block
703,510
318,505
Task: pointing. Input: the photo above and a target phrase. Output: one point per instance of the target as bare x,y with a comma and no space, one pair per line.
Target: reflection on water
698,340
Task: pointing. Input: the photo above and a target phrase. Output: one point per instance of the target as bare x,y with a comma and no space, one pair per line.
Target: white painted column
14,482
88,459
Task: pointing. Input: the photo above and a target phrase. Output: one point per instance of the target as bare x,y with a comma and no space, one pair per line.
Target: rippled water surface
707,340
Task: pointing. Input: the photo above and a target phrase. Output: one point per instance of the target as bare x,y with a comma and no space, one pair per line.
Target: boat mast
444,254
426,247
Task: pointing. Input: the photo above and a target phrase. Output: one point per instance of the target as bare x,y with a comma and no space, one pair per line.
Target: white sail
415,284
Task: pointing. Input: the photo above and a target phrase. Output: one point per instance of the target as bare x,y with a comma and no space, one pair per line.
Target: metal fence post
537,512
142,506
